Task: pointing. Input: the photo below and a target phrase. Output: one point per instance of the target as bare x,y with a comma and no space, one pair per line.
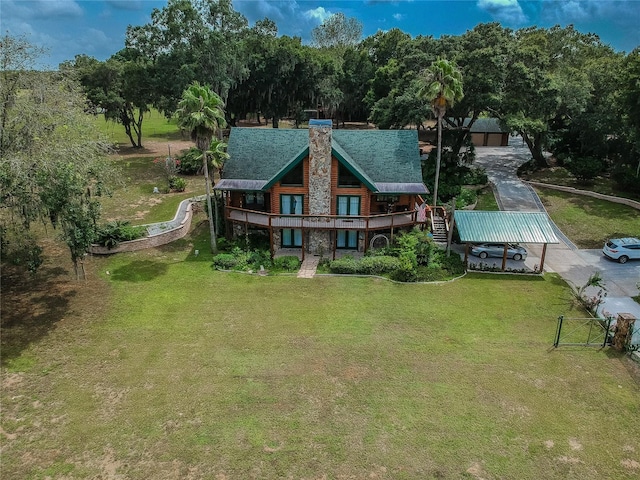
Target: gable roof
386,161
258,154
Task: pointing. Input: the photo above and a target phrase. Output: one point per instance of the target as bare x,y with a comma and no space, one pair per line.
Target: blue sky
97,27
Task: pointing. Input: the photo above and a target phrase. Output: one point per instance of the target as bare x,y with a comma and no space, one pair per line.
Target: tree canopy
561,90
52,161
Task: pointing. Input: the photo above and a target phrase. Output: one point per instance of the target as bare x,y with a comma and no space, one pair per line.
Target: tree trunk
212,230
274,122
438,158
535,147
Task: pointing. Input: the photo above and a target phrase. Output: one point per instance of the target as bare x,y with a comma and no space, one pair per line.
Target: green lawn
587,221
134,199
561,176
487,200
155,126
183,372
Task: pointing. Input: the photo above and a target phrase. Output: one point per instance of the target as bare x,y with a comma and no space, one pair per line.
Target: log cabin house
321,190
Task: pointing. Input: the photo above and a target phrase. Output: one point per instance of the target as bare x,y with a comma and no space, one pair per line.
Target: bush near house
254,260
412,257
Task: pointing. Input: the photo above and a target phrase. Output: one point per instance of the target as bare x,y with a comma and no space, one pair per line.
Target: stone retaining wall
610,198
152,240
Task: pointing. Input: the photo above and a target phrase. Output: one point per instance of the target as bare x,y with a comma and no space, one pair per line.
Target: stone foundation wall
320,242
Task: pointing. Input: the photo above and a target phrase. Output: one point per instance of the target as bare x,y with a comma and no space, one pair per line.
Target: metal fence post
606,333
558,330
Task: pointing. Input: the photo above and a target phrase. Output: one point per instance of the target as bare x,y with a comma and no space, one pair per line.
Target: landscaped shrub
225,261
112,233
476,176
453,264
585,168
467,197
378,265
191,162
345,265
258,258
406,273
178,184
431,274
289,263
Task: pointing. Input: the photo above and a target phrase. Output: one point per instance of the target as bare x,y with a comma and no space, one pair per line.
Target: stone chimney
319,180
320,167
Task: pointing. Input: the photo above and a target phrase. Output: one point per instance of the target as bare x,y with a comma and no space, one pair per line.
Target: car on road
485,250
622,249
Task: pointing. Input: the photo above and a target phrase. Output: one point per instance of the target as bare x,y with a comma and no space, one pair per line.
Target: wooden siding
279,189
363,192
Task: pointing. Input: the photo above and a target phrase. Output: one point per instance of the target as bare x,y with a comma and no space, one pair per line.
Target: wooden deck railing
322,222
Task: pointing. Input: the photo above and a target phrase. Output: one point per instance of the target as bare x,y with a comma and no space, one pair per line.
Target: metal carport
504,227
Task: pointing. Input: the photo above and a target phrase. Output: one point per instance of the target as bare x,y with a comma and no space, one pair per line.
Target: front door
291,205
348,205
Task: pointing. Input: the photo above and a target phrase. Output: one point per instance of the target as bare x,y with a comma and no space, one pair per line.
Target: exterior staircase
439,229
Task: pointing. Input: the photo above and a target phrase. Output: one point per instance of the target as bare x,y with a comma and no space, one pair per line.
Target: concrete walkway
308,267
566,259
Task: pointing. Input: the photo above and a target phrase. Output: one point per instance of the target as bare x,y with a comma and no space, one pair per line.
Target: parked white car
622,249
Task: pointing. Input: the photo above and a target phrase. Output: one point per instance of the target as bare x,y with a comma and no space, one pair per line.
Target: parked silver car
485,250
622,249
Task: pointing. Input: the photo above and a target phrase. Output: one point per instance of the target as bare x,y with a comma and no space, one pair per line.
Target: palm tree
217,155
442,87
201,111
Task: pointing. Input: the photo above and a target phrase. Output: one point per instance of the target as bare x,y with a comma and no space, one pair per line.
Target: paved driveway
574,265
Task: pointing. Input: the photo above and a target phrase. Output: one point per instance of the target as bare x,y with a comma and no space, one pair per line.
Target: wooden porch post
544,253
271,246
504,257
466,255
366,235
392,217
335,241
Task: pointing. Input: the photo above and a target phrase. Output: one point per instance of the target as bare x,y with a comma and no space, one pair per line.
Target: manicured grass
487,200
587,221
155,126
181,372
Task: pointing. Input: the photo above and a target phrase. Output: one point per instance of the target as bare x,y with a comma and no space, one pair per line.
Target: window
346,178
291,204
348,205
254,198
291,237
294,177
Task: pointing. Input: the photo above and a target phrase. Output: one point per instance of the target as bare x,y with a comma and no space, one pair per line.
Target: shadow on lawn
31,307
139,271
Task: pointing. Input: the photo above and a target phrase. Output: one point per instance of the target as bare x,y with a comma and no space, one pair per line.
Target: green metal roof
261,153
504,227
384,160
387,156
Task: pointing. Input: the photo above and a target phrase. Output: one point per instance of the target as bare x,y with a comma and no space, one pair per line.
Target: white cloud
398,16
507,11
319,14
291,18
42,8
125,4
